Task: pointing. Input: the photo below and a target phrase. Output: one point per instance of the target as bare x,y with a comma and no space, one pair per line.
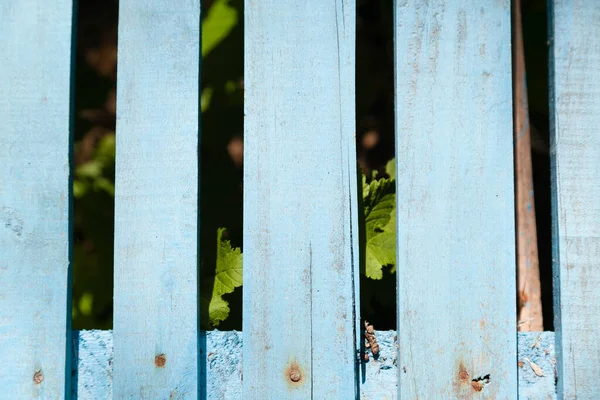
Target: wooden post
455,192
35,191
156,326
530,316
300,210
575,160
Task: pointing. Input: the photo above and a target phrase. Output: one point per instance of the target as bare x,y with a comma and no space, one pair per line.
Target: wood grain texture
156,201
455,221
35,187
300,212
530,316
575,158
93,370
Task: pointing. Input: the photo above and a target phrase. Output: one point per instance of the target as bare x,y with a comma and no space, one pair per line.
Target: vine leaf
217,25
390,168
228,276
379,200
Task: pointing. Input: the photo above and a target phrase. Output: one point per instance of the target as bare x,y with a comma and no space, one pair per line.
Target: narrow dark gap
536,62
221,150
375,140
94,167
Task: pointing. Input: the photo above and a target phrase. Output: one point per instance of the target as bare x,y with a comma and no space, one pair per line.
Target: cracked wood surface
300,205
575,158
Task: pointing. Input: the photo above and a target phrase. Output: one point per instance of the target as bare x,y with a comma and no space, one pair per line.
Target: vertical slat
35,134
456,235
299,200
575,152
156,203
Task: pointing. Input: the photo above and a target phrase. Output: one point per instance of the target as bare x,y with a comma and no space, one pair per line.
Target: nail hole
295,375
160,360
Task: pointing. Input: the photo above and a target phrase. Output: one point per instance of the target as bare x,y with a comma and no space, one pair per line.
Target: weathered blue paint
536,348
93,370
300,213
156,201
575,156
35,128
92,365
455,193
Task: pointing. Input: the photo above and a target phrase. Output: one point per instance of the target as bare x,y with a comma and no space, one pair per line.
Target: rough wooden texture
92,365
35,185
456,235
537,366
575,155
93,372
528,272
156,201
300,213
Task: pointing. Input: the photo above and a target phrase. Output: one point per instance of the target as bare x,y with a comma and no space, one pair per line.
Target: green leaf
86,303
379,200
219,22
205,98
106,150
92,169
80,188
228,276
390,168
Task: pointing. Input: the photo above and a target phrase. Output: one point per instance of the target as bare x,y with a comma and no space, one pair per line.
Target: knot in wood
295,375
38,377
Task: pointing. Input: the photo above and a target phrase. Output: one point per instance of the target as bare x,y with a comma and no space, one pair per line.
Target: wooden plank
456,235
300,212
93,370
35,193
156,201
529,311
575,159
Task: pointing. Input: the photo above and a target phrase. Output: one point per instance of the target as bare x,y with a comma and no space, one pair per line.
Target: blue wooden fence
457,334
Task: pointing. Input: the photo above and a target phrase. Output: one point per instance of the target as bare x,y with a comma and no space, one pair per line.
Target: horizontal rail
93,355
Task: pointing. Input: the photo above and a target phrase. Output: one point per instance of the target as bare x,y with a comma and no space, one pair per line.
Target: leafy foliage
97,174
221,19
228,276
93,192
379,202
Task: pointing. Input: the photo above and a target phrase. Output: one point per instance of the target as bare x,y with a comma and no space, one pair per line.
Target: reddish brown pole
528,273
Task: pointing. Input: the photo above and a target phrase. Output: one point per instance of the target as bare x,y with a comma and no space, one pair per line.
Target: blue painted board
156,326
35,190
455,211
93,371
575,158
300,210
